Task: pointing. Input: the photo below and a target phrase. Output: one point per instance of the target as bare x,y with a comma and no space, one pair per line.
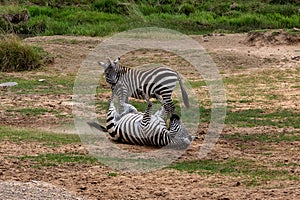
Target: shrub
111,6
283,2
61,3
16,56
187,9
14,19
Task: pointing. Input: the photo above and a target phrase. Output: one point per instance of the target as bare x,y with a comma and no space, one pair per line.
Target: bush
61,3
16,56
13,19
111,6
187,9
284,2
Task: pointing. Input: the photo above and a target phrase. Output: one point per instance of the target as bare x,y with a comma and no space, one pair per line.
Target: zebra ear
110,61
117,60
102,64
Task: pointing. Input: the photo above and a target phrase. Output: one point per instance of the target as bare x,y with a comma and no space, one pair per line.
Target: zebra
157,83
133,127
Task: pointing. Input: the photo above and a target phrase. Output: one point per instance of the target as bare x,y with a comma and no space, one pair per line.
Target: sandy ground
234,57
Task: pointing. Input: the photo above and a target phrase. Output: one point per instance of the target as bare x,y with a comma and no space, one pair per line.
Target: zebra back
156,82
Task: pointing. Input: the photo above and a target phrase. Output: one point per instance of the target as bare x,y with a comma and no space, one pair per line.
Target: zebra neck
121,71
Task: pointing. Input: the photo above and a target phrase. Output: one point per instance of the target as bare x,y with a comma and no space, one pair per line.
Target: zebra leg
159,98
122,94
123,108
168,104
161,113
120,105
147,115
112,111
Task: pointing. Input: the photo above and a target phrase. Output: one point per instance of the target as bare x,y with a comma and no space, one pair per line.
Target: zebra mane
122,69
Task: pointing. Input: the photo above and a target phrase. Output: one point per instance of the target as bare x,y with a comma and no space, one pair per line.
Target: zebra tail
184,94
97,126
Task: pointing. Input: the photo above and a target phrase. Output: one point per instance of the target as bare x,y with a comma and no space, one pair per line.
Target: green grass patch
31,111
258,117
242,118
112,174
265,77
32,85
275,137
197,84
252,172
103,17
52,159
51,139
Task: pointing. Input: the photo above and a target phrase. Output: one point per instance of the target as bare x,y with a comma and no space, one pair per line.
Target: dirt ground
235,55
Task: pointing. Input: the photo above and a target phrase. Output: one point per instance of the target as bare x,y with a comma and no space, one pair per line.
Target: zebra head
111,71
181,138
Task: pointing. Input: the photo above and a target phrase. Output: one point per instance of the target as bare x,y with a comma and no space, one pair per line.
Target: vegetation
50,85
30,111
258,117
105,17
17,56
252,173
288,137
52,139
51,159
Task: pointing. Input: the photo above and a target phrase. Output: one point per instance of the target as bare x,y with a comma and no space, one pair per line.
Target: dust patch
279,37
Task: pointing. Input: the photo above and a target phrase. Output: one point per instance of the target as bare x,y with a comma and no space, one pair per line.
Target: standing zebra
138,128
158,83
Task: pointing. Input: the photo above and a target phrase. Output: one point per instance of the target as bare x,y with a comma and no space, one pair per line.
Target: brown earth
234,56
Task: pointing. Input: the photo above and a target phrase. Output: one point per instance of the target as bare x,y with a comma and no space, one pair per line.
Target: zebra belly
129,130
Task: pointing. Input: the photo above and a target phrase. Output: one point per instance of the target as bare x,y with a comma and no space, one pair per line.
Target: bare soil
236,55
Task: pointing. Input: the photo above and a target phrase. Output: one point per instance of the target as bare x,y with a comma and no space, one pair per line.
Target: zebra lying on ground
157,83
134,127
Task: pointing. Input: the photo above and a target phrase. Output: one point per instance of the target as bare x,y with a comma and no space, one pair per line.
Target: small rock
237,184
8,84
83,187
297,58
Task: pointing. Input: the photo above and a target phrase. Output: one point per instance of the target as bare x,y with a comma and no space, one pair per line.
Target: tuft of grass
197,84
16,56
112,174
51,139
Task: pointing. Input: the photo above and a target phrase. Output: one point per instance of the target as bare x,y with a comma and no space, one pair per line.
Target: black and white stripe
157,83
138,128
